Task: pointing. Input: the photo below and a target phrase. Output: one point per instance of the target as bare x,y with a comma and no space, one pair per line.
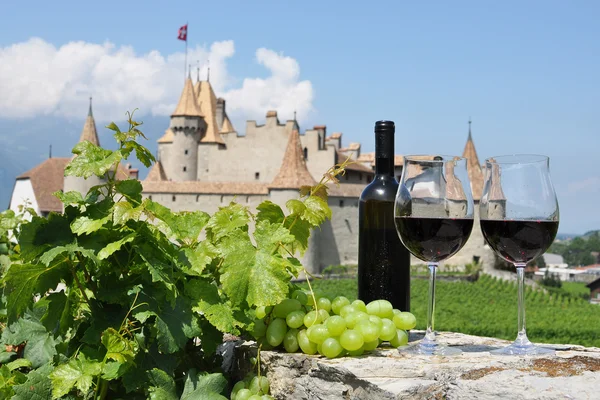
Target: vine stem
87,300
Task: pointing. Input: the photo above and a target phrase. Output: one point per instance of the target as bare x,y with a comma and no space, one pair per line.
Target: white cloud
38,78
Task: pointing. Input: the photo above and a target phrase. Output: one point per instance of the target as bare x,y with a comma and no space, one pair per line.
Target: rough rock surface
572,373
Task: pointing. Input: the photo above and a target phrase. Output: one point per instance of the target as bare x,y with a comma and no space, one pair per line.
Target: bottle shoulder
382,188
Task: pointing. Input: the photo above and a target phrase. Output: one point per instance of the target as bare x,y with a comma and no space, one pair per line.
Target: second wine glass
434,218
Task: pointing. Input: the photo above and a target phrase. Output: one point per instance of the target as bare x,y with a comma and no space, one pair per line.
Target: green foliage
488,307
119,297
578,251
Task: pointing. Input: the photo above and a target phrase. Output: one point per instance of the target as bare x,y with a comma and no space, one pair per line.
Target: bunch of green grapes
252,388
335,328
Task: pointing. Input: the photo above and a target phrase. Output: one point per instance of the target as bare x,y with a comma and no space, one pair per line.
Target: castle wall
319,157
166,155
209,203
184,155
80,184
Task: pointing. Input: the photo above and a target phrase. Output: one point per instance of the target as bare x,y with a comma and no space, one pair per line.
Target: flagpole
186,51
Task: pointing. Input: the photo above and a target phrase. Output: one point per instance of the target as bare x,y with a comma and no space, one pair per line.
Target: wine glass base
434,349
519,350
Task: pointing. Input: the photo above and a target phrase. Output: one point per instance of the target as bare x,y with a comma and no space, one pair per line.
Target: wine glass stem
430,334
522,334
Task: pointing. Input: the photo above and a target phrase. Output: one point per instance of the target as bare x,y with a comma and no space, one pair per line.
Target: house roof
227,126
207,101
293,172
370,158
157,173
187,106
354,166
47,178
454,188
594,284
89,131
167,137
473,167
550,258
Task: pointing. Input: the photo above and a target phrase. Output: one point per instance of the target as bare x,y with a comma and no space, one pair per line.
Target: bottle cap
385,126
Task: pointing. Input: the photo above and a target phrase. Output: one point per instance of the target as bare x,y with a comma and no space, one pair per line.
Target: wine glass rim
432,158
518,159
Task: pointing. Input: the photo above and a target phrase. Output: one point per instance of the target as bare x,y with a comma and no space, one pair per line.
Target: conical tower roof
208,106
187,106
473,167
157,173
89,131
293,172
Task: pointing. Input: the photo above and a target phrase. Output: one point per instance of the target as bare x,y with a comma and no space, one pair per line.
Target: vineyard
488,307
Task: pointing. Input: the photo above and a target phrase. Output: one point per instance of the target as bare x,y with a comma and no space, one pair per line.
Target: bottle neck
384,153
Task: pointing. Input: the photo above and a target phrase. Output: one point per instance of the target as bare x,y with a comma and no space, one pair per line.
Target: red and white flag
183,33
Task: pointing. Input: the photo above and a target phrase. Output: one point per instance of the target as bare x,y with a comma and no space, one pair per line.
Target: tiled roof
473,167
293,172
187,106
202,187
208,106
454,188
370,158
354,166
157,173
333,136
227,126
89,132
496,192
47,178
167,137
346,190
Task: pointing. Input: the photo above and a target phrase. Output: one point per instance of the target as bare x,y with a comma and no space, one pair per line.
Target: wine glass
434,218
519,220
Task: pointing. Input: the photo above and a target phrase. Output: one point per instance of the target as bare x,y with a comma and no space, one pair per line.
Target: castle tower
90,134
292,175
473,167
211,138
186,128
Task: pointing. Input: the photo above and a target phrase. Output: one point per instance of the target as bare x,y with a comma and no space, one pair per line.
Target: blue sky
525,72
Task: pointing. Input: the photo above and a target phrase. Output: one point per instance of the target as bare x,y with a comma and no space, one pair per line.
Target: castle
203,163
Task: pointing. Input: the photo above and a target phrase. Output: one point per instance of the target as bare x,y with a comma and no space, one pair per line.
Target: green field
488,307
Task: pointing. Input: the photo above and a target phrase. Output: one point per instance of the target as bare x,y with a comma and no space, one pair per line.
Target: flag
183,33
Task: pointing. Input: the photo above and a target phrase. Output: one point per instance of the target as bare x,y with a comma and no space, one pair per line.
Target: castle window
150,197
173,198
197,198
257,175
360,177
369,178
347,177
305,153
341,203
185,152
184,169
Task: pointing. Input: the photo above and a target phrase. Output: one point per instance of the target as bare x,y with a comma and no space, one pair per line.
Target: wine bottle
383,261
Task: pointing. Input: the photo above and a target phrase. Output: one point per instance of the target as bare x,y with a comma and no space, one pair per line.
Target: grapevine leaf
200,257
141,153
131,189
19,363
162,385
40,346
317,210
203,386
23,281
269,211
91,160
300,229
115,246
208,303
250,275
295,206
37,387
58,317
210,338
117,347
227,220
70,198
136,378
175,326
71,249
269,236
184,225
42,234
124,211
78,373
86,225
159,266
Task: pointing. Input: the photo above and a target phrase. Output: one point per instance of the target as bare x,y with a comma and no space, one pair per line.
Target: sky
525,72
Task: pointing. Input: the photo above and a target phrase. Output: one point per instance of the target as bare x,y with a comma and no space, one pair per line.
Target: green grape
360,305
276,331
243,394
405,321
259,385
323,314
300,296
353,318
347,309
396,311
282,309
356,353
318,333
351,340
338,303
376,320
400,339
254,385
372,345
290,341
324,304
305,344
237,387
265,386
311,318
381,308
261,312
335,325
331,348
255,397
259,329
267,397
368,330
388,330
295,319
